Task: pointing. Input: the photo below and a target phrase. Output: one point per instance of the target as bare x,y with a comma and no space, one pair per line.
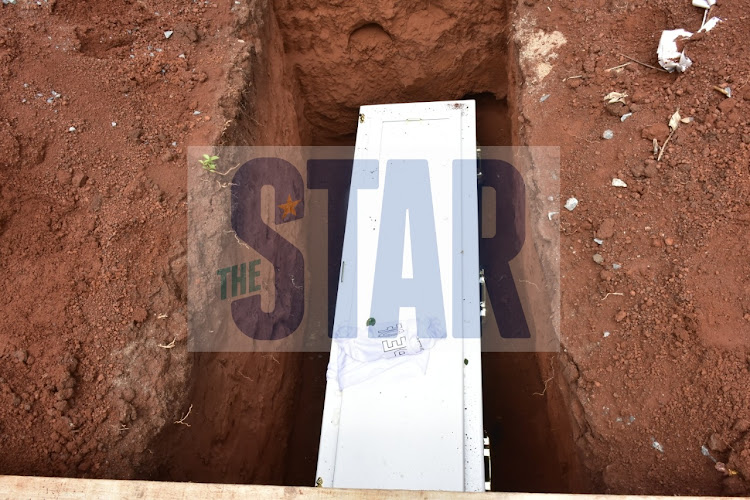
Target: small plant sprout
209,162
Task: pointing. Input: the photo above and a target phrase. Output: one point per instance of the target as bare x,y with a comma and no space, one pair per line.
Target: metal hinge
482,295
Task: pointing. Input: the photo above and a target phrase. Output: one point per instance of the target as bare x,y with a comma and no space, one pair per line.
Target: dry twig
168,346
182,420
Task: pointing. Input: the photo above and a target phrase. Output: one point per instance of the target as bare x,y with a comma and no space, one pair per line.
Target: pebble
571,204
79,180
619,183
657,446
606,229
608,134
598,258
168,33
716,443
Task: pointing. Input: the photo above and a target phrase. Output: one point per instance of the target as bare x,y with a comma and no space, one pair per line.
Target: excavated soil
98,106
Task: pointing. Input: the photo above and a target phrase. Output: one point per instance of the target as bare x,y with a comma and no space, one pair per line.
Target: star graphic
289,207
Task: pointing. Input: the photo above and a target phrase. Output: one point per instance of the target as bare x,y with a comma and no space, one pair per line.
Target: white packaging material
670,58
704,4
379,348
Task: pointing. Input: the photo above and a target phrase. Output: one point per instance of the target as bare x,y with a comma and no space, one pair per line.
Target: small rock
188,31
139,315
606,229
598,258
741,425
716,443
617,109
168,33
128,394
619,183
727,105
638,171
79,180
571,204
20,356
135,134
621,315
658,131
167,155
608,134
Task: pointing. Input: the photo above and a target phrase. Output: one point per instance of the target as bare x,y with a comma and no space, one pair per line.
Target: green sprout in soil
209,162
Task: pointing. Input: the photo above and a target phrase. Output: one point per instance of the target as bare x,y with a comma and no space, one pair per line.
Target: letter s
287,260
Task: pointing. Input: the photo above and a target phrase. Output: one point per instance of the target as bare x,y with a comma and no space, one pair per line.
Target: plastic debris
608,134
551,214
9,2
168,33
669,57
657,446
704,4
72,129
619,183
114,124
571,204
625,116
710,24
672,59
616,266
599,241
606,334
544,97
196,112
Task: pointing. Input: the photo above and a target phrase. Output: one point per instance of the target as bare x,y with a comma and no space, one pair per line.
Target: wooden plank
54,488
